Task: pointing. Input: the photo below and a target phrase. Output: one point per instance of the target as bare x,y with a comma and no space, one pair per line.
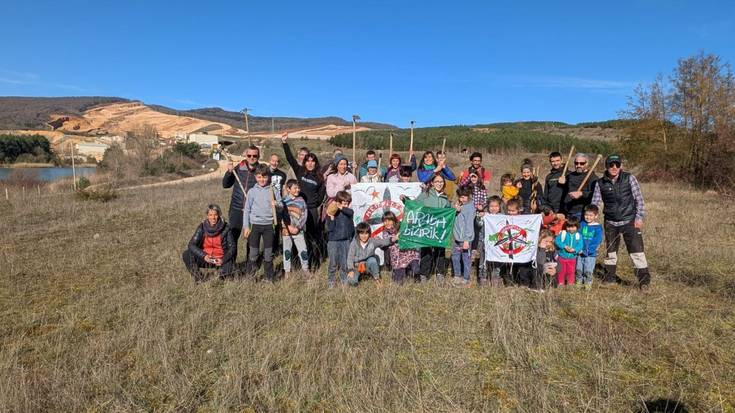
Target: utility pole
244,111
73,168
355,118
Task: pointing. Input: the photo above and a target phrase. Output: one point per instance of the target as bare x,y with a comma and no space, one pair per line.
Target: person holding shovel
577,187
245,180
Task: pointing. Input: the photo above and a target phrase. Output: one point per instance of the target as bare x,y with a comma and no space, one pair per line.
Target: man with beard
553,191
245,170
575,198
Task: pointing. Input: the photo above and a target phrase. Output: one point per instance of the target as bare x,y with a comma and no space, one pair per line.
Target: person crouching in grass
569,243
340,231
545,265
361,258
211,246
400,260
258,222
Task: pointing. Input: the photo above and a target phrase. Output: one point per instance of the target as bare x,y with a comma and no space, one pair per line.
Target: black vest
618,197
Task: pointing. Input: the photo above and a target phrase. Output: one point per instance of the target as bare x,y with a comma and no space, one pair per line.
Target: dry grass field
97,313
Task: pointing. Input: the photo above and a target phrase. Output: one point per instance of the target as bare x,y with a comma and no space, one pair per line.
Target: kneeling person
361,258
211,246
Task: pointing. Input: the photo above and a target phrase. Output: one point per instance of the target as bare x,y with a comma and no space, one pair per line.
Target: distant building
95,150
204,140
110,139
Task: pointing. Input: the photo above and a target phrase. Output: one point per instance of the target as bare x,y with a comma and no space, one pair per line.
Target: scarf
215,230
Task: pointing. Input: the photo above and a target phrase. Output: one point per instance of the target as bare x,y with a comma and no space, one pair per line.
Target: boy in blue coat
569,244
591,232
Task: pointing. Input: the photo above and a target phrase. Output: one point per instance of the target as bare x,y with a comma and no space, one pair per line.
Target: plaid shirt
635,187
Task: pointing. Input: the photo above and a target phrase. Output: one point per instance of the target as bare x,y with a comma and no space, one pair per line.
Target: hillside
263,124
101,115
35,112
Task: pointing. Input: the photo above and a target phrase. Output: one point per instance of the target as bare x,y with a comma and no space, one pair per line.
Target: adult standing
529,190
341,179
553,190
245,170
624,211
433,259
395,163
476,168
311,182
575,198
429,167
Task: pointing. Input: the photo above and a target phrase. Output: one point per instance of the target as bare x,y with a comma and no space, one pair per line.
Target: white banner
511,238
370,201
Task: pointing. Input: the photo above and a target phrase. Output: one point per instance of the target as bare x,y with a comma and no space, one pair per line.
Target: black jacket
247,177
576,206
527,187
311,182
620,205
197,240
342,227
553,191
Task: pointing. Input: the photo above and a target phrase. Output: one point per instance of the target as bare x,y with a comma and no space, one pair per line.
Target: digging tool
390,145
562,178
589,173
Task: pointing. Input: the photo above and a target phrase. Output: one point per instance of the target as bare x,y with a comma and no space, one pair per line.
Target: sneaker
330,285
645,288
457,280
482,282
588,287
423,279
440,279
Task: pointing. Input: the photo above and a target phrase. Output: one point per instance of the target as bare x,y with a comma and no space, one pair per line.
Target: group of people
309,218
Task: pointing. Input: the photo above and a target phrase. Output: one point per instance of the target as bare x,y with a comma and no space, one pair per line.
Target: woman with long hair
432,258
393,172
313,190
431,166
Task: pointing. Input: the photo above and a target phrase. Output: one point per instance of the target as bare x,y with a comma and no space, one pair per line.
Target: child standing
545,266
508,190
372,175
258,222
569,243
400,260
340,230
464,233
591,231
292,233
493,268
361,258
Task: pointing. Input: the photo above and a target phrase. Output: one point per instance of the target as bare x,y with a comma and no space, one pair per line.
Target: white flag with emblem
371,201
511,238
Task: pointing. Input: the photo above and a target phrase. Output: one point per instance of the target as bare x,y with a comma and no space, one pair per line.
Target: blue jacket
464,223
425,175
565,239
591,237
341,228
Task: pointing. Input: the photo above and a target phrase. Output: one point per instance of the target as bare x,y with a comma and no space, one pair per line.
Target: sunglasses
580,163
251,156
614,164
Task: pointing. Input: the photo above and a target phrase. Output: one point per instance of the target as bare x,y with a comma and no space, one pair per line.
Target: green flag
425,226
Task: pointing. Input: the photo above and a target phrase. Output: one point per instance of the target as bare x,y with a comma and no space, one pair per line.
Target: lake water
47,174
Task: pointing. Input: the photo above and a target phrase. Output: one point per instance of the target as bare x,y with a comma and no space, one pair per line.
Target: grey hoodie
258,209
358,253
464,224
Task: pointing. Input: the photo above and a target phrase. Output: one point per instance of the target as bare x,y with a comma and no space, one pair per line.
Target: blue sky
438,63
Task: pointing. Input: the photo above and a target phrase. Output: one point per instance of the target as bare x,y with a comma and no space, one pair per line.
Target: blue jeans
372,267
337,251
585,269
463,267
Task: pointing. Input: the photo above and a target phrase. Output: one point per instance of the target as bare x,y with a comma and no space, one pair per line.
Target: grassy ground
97,313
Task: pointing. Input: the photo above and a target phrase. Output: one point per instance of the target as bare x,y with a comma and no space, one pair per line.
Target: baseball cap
372,163
613,158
